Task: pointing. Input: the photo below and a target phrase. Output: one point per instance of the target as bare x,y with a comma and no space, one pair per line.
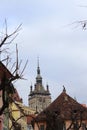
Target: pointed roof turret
38,87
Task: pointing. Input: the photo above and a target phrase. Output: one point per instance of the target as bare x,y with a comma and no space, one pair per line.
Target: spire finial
47,87
64,90
38,68
38,61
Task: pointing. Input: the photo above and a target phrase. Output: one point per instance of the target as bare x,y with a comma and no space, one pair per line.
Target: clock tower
39,97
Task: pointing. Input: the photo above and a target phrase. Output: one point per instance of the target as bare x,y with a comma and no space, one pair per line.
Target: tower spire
39,97
38,78
38,68
38,61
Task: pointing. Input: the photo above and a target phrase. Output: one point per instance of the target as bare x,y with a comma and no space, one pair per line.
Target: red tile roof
64,106
4,70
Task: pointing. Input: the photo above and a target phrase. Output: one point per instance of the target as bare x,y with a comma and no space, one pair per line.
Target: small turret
47,88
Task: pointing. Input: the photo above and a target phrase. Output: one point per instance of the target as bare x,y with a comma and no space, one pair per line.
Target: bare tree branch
24,68
6,85
8,36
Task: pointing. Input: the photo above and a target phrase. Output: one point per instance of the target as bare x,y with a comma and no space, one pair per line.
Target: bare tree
54,119
6,84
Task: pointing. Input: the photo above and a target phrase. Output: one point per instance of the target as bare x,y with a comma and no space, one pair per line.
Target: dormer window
66,98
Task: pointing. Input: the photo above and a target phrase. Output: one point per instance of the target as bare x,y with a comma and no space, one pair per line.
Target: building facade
14,116
4,74
39,97
64,113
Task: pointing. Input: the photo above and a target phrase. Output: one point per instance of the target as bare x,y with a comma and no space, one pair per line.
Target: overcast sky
50,30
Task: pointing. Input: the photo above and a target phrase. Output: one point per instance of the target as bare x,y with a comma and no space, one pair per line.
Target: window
64,127
84,126
41,127
30,127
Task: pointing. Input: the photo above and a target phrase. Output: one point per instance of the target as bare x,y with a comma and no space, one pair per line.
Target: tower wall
39,98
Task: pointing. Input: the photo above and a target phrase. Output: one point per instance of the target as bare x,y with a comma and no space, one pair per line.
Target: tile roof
64,106
3,69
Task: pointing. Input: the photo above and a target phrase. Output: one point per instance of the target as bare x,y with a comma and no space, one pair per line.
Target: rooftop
64,106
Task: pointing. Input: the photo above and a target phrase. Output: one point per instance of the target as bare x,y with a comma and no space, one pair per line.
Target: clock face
41,99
